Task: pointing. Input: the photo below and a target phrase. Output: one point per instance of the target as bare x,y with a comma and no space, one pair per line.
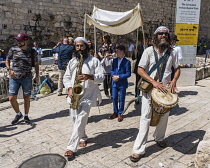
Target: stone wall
46,21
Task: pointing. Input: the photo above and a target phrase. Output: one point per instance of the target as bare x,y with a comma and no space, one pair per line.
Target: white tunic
148,60
91,65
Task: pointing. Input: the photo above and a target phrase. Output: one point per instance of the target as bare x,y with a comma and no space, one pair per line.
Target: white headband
81,39
161,28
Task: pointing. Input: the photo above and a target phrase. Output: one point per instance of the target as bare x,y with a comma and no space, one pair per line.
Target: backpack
45,87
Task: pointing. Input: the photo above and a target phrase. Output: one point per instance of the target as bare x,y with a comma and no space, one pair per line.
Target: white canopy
118,23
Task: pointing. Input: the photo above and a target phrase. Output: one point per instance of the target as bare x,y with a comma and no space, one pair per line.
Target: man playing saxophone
84,72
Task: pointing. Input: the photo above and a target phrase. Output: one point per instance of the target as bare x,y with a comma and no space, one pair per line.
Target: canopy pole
85,20
137,36
144,42
95,38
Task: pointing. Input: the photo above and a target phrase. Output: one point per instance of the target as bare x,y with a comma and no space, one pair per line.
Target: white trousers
146,113
80,119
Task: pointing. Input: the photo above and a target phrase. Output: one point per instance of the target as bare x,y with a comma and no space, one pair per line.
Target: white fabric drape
118,23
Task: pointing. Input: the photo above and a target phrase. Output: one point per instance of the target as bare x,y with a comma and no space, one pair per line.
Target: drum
162,103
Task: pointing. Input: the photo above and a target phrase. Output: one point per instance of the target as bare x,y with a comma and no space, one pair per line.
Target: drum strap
162,66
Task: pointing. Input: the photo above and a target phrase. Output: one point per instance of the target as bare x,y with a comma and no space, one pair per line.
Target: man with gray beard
161,45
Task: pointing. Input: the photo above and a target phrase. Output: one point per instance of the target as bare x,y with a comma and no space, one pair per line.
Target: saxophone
78,89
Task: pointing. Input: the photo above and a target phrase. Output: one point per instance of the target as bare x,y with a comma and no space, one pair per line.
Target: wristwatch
8,69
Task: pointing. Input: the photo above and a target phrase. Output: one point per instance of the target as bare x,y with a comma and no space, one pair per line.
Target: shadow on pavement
186,93
130,83
105,101
112,138
178,110
13,127
10,127
186,142
62,113
129,93
133,113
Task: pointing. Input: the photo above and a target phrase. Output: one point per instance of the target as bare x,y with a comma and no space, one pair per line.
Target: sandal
69,154
136,157
161,144
82,143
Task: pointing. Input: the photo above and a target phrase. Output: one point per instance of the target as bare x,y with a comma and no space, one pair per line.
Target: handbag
146,86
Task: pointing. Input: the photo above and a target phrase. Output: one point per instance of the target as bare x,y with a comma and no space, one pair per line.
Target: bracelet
8,69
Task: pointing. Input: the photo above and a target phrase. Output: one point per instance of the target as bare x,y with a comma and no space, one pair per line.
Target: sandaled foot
136,157
83,143
69,154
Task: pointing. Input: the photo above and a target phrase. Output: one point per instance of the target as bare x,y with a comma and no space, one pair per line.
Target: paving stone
188,159
107,138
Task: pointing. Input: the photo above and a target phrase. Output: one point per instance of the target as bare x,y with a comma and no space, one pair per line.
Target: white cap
161,28
81,39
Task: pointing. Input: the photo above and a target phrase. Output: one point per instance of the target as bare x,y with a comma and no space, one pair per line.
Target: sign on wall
186,28
187,34
188,54
188,11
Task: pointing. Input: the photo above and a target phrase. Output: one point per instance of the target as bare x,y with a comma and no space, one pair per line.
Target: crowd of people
81,70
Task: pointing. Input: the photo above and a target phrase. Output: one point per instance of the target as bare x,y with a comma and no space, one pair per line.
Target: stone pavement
110,142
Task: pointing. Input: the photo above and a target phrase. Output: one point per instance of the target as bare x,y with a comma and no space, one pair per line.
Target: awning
118,23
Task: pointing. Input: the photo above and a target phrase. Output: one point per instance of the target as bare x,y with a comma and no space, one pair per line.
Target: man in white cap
92,74
161,45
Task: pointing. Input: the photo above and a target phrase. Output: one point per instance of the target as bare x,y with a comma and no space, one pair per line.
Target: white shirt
39,52
91,65
130,47
178,51
119,61
148,60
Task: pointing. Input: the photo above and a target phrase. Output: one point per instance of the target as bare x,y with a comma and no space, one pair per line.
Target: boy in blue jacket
120,72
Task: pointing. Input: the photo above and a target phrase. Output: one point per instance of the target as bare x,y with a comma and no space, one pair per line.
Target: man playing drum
161,43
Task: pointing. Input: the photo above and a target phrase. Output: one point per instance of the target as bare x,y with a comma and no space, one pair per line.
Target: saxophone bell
78,89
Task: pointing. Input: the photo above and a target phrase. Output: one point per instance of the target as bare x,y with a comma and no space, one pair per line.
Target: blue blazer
123,72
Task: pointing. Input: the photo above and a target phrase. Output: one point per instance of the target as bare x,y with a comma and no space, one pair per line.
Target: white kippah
161,28
81,39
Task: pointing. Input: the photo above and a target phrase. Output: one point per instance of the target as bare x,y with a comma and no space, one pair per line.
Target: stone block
16,1
202,157
17,27
187,77
8,14
57,24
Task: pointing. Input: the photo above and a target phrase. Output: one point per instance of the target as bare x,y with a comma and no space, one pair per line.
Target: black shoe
17,118
27,120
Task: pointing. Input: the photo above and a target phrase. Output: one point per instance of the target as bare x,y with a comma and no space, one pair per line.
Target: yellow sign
187,34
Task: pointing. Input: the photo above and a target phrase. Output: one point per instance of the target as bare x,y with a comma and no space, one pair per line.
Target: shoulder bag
144,85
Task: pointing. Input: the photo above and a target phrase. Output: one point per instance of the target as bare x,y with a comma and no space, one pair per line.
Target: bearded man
92,74
19,63
161,42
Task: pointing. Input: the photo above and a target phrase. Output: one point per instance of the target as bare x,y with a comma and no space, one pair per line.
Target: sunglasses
19,40
79,45
162,33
